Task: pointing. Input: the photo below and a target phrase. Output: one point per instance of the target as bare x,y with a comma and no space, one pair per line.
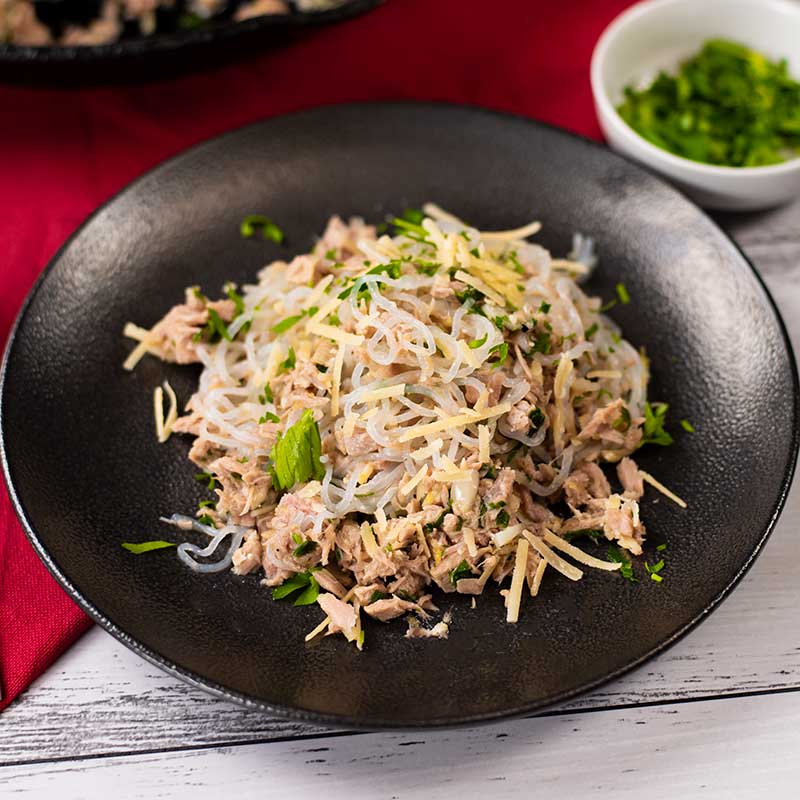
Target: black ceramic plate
86,473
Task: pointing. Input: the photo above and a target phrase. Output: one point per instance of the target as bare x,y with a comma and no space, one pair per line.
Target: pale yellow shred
648,478
368,538
398,390
517,581
483,444
409,487
455,421
481,286
337,335
553,559
537,577
578,554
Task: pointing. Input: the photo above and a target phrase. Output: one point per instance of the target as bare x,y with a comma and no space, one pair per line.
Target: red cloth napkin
63,152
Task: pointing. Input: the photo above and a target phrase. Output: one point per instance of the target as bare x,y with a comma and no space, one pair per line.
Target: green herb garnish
728,105
207,478
285,324
590,331
502,518
619,556
687,426
137,548
255,222
501,351
302,580
463,570
288,363
303,547
653,430
268,416
544,308
654,570
295,456
375,596
476,343
537,419
622,294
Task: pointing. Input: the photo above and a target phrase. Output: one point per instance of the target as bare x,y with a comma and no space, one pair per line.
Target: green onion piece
285,324
269,230
476,343
622,294
687,426
137,548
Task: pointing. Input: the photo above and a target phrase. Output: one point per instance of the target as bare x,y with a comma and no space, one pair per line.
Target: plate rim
343,721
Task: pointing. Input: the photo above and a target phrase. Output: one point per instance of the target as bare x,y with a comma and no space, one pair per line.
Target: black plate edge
170,42
337,720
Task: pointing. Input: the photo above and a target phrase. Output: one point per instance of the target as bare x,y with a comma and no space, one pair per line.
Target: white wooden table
716,716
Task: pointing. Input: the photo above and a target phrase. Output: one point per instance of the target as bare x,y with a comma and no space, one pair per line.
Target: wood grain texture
728,749
102,699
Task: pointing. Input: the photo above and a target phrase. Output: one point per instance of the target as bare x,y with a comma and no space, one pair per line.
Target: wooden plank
735,748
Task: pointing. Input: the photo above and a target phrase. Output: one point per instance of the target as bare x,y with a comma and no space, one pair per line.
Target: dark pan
86,473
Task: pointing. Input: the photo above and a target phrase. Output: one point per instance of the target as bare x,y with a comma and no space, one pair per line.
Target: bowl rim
652,152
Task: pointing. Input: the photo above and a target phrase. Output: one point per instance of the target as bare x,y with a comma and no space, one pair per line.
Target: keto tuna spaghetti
389,415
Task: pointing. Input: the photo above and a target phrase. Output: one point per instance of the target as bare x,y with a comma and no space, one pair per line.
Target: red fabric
63,152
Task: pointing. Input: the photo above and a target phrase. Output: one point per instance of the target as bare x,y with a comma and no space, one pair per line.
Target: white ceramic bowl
659,34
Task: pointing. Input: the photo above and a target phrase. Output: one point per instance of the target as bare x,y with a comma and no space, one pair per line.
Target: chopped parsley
330,254
207,478
375,596
429,268
137,548
542,344
255,222
727,105
653,430
304,546
463,570
302,580
591,331
502,518
474,252
500,321
238,300
512,257
622,294
687,426
544,308
267,396
285,324
268,416
476,343
619,556
296,455
409,224
288,363
537,419
430,527
501,351
470,293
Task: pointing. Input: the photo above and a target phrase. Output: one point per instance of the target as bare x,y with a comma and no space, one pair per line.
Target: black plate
86,472
153,56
